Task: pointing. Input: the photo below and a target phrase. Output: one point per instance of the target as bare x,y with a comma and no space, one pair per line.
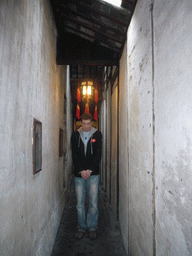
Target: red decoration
86,108
93,140
95,114
77,112
78,94
96,94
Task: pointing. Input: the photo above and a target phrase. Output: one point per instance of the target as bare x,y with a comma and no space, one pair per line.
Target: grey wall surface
108,142
102,118
123,148
68,128
140,131
31,86
105,128
114,149
158,195
173,125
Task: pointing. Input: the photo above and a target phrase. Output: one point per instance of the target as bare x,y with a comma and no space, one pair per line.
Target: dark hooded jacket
93,154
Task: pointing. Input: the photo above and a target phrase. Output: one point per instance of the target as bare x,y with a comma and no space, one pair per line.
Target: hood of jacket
91,132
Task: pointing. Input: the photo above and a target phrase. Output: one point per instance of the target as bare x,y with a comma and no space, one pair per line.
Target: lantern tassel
96,114
77,112
96,95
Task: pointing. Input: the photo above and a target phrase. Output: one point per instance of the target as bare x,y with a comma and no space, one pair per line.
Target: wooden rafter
89,18
89,8
91,32
77,31
83,24
129,2
89,62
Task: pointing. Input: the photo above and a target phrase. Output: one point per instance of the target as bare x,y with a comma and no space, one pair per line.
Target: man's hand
85,174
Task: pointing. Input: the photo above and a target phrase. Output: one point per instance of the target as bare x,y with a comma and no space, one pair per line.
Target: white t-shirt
85,140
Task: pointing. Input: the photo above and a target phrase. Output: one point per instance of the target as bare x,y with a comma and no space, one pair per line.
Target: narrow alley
128,65
108,242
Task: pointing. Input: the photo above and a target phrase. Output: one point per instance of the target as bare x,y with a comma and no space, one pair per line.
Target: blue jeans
90,185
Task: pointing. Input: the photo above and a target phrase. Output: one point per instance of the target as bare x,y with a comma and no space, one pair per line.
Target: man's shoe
79,235
92,235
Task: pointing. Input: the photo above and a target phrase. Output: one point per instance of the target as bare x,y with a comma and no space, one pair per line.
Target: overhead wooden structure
91,32
91,35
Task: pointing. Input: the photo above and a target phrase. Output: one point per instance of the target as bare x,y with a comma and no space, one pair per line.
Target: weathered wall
173,125
102,128
159,130
31,86
114,149
123,148
140,131
108,142
105,127
68,129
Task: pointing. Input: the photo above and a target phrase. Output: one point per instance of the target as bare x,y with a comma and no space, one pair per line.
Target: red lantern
78,94
77,112
95,114
96,95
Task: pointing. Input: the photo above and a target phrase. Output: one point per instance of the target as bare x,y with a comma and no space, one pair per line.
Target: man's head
86,121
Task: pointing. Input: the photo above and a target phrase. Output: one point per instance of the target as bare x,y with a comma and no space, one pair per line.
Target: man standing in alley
86,152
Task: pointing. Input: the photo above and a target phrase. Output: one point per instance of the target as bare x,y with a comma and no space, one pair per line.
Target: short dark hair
86,116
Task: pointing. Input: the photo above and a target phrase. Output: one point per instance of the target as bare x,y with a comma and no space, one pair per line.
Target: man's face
86,125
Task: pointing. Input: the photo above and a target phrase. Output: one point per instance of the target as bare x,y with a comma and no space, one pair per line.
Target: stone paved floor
109,241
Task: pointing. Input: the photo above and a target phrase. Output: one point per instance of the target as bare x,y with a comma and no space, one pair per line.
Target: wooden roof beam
84,16
92,29
103,14
88,62
110,46
129,2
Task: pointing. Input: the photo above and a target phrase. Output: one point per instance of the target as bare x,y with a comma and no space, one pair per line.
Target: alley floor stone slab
109,240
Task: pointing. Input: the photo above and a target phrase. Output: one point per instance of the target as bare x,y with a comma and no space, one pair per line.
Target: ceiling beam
91,28
129,2
92,38
89,18
88,62
89,8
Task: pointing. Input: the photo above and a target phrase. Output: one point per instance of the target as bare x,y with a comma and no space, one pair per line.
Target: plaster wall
140,90
173,125
105,128
102,129
114,151
31,86
123,148
108,142
68,128
159,130
104,141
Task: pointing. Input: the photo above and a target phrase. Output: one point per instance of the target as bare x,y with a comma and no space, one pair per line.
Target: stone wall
31,86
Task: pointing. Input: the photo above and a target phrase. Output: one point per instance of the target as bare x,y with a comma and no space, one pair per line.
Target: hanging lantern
95,114
77,112
87,88
84,90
